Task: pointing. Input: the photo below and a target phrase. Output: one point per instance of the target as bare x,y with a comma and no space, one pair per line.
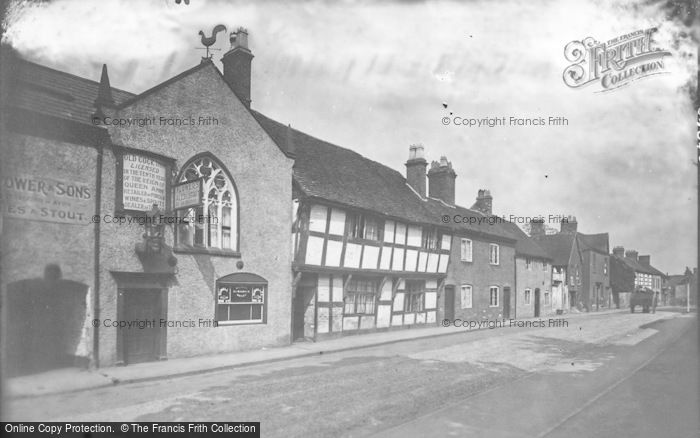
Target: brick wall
27,244
481,276
534,278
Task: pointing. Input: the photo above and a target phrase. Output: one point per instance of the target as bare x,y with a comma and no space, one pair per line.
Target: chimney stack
619,251
484,203
631,254
537,227
237,65
442,181
415,168
569,225
645,260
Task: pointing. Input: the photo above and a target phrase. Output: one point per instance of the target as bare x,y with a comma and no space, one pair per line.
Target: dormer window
214,222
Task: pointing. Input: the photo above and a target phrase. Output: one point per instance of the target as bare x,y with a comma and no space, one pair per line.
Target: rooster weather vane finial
209,41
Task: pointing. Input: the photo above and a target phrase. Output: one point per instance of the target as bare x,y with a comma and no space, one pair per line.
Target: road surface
602,375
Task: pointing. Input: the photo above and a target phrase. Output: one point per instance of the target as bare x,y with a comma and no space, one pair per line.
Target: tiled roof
638,267
336,174
322,170
526,245
558,246
594,242
55,93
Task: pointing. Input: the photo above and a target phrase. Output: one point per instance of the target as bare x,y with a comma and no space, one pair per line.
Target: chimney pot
237,65
484,202
442,181
619,251
537,227
415,168
631,254
569,225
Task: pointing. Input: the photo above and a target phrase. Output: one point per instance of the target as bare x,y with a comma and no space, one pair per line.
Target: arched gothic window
213,223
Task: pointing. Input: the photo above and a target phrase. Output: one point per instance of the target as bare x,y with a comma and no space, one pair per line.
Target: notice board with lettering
143,180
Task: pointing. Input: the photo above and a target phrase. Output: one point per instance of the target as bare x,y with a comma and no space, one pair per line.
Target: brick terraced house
580,262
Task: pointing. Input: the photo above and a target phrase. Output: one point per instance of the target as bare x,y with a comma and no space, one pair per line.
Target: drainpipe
515,286
98,213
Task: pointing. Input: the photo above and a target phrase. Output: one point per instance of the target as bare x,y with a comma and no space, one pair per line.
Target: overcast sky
374,77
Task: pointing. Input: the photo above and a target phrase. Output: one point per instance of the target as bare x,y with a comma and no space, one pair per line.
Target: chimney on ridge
442,181
645,260
415,168
569,225
537,227
237,65
484,203
619,251
631,254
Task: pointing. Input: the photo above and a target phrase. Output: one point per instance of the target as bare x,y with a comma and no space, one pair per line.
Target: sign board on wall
187,194
143,183
41,198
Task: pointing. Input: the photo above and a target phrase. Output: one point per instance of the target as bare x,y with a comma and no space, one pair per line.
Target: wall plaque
143,183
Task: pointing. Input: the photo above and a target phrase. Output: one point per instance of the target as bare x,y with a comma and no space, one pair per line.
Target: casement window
528,263
528,296
360,296
546,298
466,250
213,223
493,296
362,227
494,254
431,239
414,301
240,299
466,298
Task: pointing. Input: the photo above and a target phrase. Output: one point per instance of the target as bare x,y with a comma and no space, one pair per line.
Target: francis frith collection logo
614,63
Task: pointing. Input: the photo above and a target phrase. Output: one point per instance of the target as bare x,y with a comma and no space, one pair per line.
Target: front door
142,308
506,302
301,302
537,303
449,302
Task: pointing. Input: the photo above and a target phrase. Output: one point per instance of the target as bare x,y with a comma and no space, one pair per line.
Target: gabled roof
594,242
526,245
638,267
167,82
326,171
44,90
558,246
55,93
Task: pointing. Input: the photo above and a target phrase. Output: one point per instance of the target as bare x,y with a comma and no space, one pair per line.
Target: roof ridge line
72,75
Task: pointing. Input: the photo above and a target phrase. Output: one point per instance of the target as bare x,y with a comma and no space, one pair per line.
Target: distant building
581,261
630,271
682,287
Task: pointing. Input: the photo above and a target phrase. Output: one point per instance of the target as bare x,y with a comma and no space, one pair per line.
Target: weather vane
209,41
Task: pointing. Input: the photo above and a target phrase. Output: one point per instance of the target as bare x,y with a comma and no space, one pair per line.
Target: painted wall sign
143,183
187,195
47,199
